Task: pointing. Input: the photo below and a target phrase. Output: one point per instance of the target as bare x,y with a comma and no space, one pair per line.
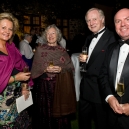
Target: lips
123,29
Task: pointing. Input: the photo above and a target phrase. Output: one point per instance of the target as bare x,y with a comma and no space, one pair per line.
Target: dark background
72,8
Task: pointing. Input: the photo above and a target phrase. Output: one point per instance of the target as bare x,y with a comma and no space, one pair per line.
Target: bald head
121,20
121,12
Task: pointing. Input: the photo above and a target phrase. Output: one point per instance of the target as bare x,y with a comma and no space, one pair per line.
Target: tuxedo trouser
89,112
117,121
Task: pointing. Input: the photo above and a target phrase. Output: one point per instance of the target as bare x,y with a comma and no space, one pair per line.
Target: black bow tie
96,35
121,42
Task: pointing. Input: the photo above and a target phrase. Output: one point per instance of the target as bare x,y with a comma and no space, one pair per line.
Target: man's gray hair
99,11
27,35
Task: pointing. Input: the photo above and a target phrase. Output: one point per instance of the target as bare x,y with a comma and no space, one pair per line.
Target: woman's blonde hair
11,18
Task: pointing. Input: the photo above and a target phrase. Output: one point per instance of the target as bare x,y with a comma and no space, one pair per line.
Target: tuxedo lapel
98,48
88,41
125,71
113,64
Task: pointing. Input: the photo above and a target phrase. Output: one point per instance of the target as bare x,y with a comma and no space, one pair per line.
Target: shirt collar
26,40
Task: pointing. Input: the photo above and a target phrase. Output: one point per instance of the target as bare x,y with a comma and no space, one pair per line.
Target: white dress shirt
124,50
25,49
93,44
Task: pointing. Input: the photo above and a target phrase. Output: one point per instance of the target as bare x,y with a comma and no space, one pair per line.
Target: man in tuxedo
115,67
91,106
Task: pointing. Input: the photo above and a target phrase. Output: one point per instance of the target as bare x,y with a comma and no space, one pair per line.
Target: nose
50,34
122,23
91,22
8,31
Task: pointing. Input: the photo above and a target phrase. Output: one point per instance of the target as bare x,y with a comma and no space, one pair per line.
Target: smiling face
52,37
6,30
94,21
121,21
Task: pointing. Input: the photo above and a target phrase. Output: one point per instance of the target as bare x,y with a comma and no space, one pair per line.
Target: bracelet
14,78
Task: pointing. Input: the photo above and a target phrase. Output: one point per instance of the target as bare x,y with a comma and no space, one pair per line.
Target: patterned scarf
46,53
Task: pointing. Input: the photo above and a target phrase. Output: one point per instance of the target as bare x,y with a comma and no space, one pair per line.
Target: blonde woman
11,67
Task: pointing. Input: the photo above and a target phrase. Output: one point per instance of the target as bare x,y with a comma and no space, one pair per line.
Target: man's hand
114,104
125,108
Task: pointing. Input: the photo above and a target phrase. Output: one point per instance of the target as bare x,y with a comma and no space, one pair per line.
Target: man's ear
103,20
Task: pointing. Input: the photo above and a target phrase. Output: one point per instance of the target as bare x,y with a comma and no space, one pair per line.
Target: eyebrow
120,19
